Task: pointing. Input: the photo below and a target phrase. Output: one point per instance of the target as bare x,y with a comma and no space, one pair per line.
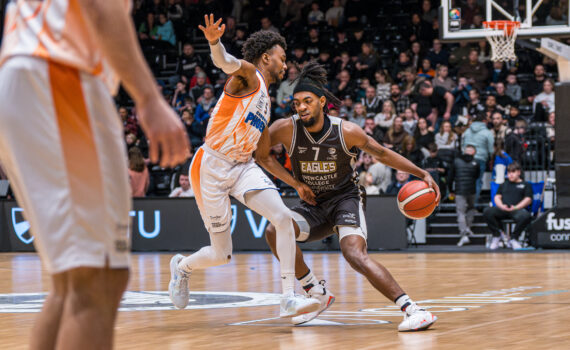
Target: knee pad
304,228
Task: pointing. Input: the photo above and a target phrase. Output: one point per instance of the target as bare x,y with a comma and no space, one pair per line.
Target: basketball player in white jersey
224,166
323,151
61,142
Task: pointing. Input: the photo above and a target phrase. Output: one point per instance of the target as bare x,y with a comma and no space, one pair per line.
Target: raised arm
111,26
355,136
213,31
263,157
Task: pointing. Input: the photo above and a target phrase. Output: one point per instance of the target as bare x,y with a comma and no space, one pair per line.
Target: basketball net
502,36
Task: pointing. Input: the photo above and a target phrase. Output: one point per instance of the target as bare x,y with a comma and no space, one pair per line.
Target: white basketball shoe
325,298
294,305
178,290
418,320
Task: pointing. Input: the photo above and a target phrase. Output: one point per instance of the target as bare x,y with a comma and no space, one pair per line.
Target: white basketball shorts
61,142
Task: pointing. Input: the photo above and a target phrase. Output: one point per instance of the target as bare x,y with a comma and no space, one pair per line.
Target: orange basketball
416,200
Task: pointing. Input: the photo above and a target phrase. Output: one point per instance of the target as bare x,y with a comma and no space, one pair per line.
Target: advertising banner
552,229
174,224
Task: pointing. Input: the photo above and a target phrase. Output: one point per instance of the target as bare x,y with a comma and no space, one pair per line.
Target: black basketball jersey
325,165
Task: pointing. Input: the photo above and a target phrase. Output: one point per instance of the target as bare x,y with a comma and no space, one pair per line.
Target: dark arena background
419,78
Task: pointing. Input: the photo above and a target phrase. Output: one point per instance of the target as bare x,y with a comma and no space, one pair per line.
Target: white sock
288,283
308,281
406,304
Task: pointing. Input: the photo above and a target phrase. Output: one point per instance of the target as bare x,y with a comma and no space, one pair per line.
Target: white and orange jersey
55,31
237,122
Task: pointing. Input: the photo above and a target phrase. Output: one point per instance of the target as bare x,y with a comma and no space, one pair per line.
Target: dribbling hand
306,194
431,182
213,31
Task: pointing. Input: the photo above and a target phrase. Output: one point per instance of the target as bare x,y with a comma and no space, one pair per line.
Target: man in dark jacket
464,173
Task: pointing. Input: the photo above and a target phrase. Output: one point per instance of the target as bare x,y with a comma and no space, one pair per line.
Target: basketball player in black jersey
323,151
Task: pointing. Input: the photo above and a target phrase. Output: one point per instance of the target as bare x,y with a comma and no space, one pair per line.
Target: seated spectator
434,165
138,173
344,85
490,107
515,141
201,83
513,115
383,82
426,70
130,125
326,61
346,109
343,62
475,71
410,121
316,16
460,54
446,138
359,115
364,162
381,175
501,161
461,94
482,138
411,151
402,178
442,78
469,11
148,29
165,30
313,43
499,129
497,74
423,135
180,94
368,183
410,81
416,55
372,102
196,130
184,190
513,89
355,42
187,63
299,55
438,56
534,86
290,13
512,197
205,102
420,30
285,92
335,14
385,118
400,101
373,130
395,135
503,100
280,154
400,67
543,103
266,24
474,107
462,176
367,61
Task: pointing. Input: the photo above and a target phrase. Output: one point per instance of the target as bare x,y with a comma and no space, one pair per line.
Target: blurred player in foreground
61,142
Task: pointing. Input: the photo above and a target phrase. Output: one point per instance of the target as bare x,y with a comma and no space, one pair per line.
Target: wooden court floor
484,301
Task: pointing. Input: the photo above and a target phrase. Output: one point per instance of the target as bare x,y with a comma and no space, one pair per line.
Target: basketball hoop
502,36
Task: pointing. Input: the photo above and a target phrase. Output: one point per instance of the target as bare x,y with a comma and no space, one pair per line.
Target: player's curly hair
259,43
316,74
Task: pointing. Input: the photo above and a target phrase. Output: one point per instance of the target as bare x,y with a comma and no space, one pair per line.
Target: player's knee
96,287
282,220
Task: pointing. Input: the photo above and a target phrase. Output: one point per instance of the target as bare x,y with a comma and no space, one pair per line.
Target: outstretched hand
213,31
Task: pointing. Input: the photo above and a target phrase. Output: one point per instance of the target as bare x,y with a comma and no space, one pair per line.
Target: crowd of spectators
409,91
